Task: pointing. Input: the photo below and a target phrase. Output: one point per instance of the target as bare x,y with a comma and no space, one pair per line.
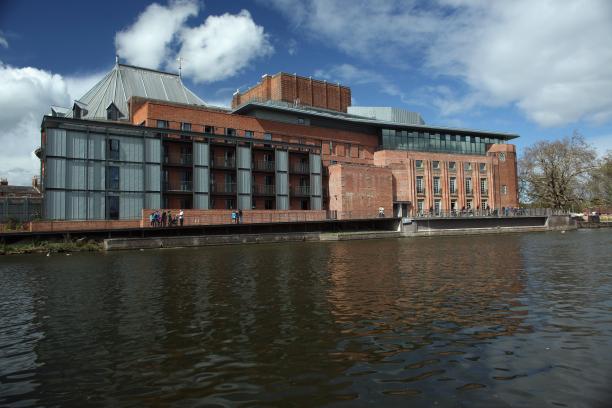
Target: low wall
217,217
435,224
59,226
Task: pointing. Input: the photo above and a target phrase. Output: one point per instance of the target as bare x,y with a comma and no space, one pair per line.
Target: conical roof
125,81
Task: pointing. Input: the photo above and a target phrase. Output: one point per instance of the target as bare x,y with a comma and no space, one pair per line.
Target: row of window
435,164
436,142
452,185
164,124
334,149
454,206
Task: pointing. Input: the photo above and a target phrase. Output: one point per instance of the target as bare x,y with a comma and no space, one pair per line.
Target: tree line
565,174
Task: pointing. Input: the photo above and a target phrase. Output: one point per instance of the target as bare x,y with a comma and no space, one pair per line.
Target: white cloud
549,58
3,42
216,49
222,46
147,42
602,143
25,96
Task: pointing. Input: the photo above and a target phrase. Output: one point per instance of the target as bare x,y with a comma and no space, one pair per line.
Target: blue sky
541,69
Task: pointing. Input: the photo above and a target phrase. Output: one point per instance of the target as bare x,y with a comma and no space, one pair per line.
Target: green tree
556,173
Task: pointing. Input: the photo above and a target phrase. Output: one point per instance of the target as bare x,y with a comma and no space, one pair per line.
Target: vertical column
201,175
316,191
243,169
152,178
281,160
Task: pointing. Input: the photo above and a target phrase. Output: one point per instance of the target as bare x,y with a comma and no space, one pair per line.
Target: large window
420,187
112,207
452,185
436,185
437,206
484,186
186,126
468,185
420,205
163,124
113,149
433,141
112,178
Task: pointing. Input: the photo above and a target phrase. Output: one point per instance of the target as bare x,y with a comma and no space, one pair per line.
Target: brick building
288,143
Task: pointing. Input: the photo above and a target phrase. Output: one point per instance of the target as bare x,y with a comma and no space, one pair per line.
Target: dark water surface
511,320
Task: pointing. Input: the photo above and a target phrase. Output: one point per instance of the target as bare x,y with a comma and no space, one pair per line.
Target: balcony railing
223,188
223,163
263,165
437,191
300,191
185,186
420,191
264,189
299,168
484,192
179,159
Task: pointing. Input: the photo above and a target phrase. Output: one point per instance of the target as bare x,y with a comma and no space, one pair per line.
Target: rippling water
511,320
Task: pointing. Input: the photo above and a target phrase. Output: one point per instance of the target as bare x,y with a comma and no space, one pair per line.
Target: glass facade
436,142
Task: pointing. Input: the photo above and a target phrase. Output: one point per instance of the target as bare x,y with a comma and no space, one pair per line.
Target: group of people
236,217
161,218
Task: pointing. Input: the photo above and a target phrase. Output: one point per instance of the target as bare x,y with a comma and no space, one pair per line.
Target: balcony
453,192
437,192
420,191
178,160
300,191
484,192
264,189
299,168
223,163
223,188
469,192
178,186
264,165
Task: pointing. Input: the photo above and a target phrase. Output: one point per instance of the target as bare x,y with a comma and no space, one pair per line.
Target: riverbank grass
31,247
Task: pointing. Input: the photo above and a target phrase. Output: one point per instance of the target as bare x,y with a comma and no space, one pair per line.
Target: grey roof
125,81
388,114
347,117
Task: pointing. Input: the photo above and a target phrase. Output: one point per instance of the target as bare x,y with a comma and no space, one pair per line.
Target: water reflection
515,319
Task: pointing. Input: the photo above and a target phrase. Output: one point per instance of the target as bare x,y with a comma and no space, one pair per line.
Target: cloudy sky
541,69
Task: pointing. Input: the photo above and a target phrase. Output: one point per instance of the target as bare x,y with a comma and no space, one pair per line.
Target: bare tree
600,186
556,173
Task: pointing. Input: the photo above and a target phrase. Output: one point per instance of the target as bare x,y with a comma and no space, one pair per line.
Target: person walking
181,214
164,218
233,217
239,216
169,218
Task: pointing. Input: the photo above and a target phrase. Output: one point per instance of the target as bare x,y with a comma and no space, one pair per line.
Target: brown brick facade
299,90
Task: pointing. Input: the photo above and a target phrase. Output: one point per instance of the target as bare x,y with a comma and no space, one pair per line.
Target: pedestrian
239,216
233,217
151,218
181,217
169,218
164,218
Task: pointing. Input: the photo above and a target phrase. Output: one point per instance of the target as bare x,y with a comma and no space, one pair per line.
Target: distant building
20,203
141,139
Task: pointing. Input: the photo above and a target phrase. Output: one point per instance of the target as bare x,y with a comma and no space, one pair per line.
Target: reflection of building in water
427,289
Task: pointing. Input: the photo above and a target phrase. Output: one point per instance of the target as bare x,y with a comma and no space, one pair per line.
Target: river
505,320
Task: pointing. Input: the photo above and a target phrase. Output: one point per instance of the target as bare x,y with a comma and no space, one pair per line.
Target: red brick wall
357,191
289,88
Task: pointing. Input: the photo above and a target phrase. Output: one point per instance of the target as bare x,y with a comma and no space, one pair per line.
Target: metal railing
223,188
495,213
183,186
223,163
263,189
179,159
300,191
263,165
299,168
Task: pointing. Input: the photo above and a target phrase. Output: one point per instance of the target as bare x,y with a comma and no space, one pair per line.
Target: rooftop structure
108,99
388,114
297,90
